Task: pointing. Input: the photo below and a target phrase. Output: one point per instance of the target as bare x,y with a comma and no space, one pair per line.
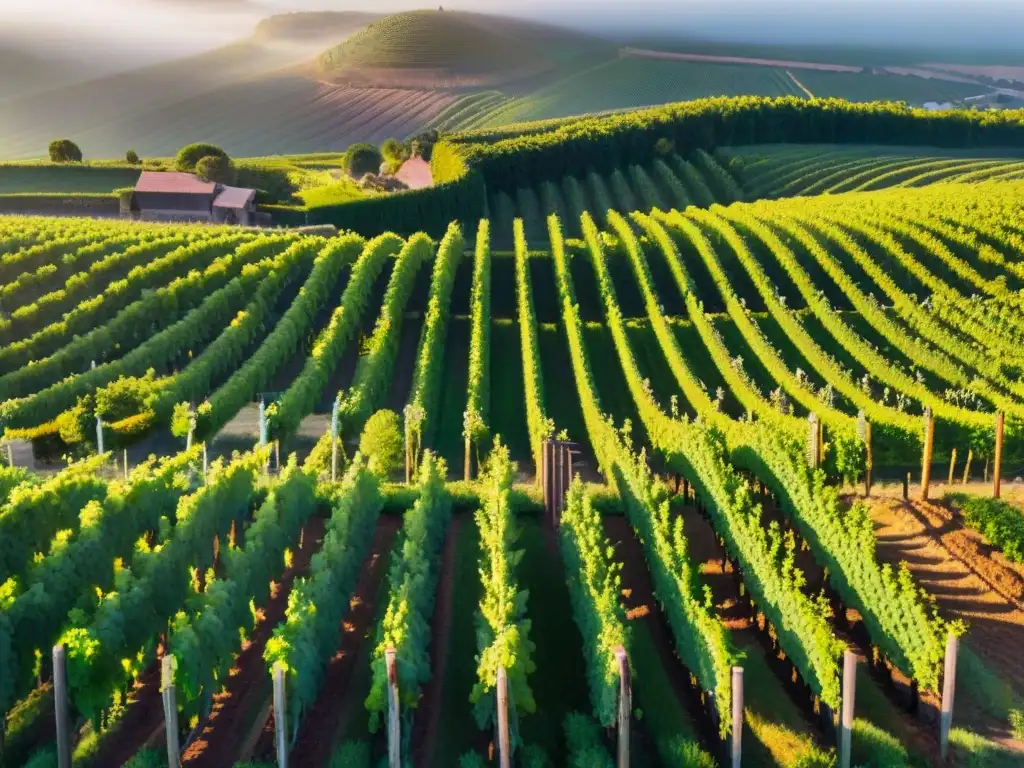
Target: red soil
323,722
230,731
429,709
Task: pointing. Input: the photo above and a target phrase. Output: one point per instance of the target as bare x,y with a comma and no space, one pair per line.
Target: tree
188,157
217,169
132,157
395,153
361,159
64,151
382,443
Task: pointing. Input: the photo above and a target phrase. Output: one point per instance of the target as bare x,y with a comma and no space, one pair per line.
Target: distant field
636,82
795,170
82,179
871,87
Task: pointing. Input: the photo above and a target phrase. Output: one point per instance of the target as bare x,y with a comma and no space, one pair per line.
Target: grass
559,682
76,178
456,727
507,391
447,429
560,398
969,750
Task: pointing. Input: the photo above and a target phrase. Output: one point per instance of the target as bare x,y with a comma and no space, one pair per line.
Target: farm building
172,196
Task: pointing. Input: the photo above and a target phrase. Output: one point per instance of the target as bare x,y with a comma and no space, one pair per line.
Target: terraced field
795,170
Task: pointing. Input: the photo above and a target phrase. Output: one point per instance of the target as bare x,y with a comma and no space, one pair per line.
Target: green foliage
1001,523
583,743
412,583
361,159
131,156
216,168
503,631
874,748
351,754
478,396
148,758
44,757
382,443
394,153
64,151
189,156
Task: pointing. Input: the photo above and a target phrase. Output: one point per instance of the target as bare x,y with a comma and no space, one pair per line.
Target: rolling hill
444,49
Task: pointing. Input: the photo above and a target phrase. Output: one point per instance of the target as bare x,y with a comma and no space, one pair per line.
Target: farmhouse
172,196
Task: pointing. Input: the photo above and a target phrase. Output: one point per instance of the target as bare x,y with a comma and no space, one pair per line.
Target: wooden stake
394,722
926,456
906,487
952,466
625,707
948,691
504,743
280,716
997,467
737,716
967,466
61,707
169,697
408,457
813,438
867,459
10,455
467,469
849,696
277,455
206,462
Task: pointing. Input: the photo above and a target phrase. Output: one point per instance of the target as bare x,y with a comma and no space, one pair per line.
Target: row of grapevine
34,513
280,344
412,583
376,365
539,426
701,640
301,397
475,419
304,643
502,627
126,621
84,560
421,410
28,319
894,609
205,637
205,303
120,299
595,585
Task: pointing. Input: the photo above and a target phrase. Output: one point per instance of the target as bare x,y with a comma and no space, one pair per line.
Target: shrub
188,157
874,748
361,159
147,758
395,153
132,157
217,169
64,151
382,442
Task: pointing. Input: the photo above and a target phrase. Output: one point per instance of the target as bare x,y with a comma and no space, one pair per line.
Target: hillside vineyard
733,377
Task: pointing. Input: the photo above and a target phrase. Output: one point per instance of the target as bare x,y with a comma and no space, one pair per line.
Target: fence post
504,745
849,697
394,723
61,707
408,453
625,707
867,459
99,437
280,716
813,453
263,423
926,456
168,694
952,466
967,466
206,462
467,462
548,478
737,716
906,487
948,691
334,441
998,466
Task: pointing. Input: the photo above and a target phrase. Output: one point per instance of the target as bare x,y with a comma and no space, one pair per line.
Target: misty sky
142,31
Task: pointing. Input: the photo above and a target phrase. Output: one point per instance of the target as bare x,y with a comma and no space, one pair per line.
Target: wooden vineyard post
546,475
99,436
280,716
625,707
263,423
467,468
867,459
967,466
408,454
997,467
168,695
948,691
394,723
926,456
277,455
206,462
813,441
60,705
952,466
504,743
737,716
849,697
906,487
334,442
10,455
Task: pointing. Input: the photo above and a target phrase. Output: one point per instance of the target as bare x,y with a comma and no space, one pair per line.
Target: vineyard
638,452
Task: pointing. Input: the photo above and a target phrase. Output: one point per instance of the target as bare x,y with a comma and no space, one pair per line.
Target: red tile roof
415,173
234,197
172,182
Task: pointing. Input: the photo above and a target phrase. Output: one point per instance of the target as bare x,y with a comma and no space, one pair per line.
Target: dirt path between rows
337,701
424,733
961,583
240,710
